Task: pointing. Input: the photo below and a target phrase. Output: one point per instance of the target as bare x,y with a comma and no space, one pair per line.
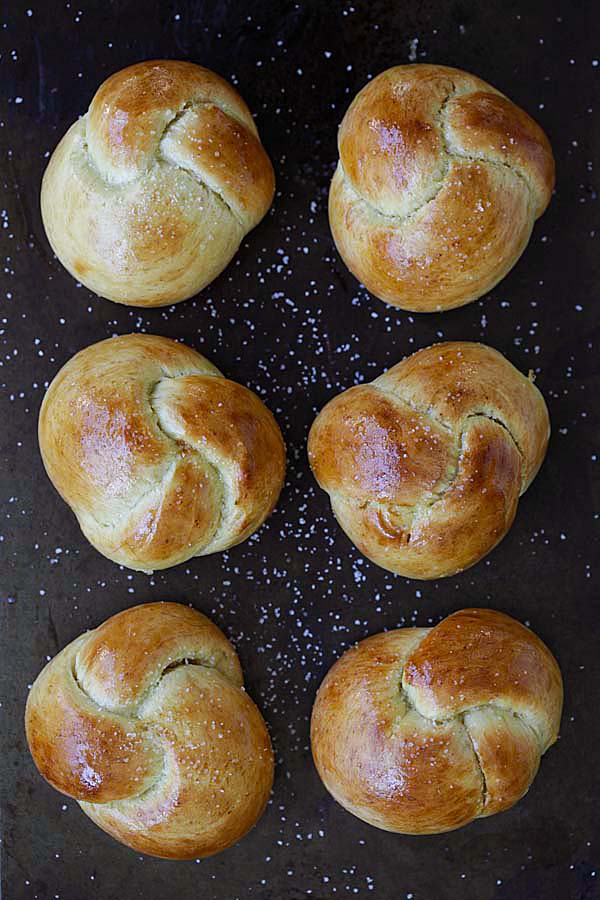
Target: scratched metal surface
287,319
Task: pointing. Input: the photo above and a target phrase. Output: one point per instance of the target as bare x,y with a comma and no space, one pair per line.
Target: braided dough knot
148,196
439,182
160,457
145,722
421,730
424,466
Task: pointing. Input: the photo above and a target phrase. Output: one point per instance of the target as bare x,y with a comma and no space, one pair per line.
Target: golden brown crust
147,197
425,465
145,722
158,455
501,662
439,183
423,730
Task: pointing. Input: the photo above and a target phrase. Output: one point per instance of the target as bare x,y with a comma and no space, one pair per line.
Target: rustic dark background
288,319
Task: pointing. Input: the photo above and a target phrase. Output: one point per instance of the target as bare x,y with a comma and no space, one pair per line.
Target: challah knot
439,182
148,196
145,722
159,456
424,466
422,730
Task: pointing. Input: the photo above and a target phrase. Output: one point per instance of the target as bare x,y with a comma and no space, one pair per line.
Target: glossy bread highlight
424,466
439,182
145,722
159,456
422,730
148,196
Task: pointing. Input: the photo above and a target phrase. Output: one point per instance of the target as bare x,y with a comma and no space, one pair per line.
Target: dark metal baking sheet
288,319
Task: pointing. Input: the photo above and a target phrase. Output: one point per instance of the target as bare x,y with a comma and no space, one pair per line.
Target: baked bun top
422,730
440,179
148,196
160,457
425,465
145,722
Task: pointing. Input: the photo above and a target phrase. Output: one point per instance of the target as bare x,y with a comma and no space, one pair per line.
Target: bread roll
159,456
145,722
424,466
422,730
439,181
147,197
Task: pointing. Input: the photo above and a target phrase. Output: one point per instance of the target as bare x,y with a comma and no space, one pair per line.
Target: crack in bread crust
187,107
484,789
460,718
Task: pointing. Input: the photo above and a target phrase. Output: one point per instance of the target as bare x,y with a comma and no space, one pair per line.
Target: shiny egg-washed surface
145,722
439,182
160,457
422,730
147,196
287,320
425,465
